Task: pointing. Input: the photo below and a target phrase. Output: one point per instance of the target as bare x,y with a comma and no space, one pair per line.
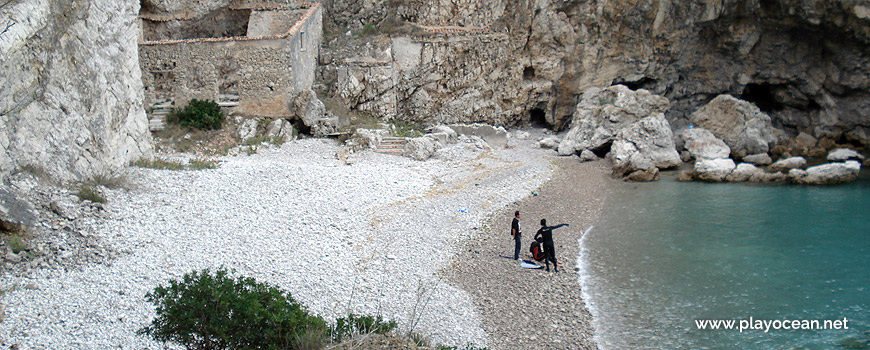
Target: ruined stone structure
254,56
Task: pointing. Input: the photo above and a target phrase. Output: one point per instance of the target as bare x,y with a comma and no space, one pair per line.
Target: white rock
551,142
420,148
743,127
602,113
758,159
844,154
743,172
788,163
644,144
702,144
281,128
248,129
714,170
830,173
588,156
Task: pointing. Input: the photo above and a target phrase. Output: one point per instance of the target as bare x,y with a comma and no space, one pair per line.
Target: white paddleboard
528,264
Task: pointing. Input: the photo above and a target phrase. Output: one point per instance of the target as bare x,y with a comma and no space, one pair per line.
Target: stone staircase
228,100
159,111
392,145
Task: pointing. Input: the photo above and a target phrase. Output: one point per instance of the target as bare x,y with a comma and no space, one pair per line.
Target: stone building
254,56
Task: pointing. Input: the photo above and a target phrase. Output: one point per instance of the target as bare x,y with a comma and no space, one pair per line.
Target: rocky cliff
806,63
71,97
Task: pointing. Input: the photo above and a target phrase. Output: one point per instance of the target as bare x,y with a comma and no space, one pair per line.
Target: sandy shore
534,309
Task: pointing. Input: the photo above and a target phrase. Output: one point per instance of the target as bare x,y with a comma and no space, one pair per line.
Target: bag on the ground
537,250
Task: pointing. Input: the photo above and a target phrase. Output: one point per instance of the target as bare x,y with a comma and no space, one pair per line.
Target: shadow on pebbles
528,308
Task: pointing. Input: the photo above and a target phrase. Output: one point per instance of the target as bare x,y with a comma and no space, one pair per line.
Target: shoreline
523,308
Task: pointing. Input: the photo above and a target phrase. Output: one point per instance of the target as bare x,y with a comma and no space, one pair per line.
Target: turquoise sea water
668,253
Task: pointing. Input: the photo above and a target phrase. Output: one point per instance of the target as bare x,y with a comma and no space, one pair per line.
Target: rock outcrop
802,62
825,174
602,113
700,143
758,159
789,163
844,154
72,98
628,125
714,170
743,127
313,114
744,172
646,146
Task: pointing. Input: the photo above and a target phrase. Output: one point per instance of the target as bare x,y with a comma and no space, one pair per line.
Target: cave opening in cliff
529,73
538,118
762,95
603,150
642,83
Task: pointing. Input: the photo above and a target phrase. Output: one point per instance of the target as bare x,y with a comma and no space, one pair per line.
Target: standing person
516,233
546,233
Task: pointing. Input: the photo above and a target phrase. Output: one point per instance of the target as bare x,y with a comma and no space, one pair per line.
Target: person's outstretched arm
557,226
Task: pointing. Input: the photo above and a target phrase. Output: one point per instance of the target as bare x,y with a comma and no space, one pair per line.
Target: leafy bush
198,114
208,310
17,244
356,324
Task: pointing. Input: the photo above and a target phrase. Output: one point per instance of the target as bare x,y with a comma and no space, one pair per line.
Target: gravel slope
369,237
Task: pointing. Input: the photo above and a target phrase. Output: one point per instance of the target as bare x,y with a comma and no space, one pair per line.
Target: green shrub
87,192
17,244
403,129
198,114
208,310
200,164
253,141
356,324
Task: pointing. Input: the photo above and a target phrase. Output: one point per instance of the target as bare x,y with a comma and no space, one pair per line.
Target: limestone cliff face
804,62
71,96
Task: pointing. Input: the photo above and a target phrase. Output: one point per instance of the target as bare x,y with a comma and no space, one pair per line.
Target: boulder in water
830,173
743,127
702,144
645,144
743,172
844,154
713,170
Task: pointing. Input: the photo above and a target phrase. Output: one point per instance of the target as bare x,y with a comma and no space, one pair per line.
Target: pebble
369,238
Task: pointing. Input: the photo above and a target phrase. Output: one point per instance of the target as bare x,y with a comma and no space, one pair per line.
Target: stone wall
71,102
266,72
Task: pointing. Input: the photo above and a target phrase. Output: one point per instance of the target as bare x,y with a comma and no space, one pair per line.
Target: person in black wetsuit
546,234
517,234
